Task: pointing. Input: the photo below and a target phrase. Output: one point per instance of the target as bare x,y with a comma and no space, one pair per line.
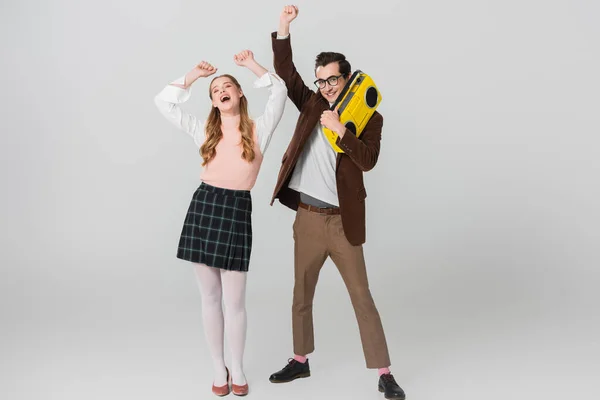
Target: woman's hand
205,69
244,58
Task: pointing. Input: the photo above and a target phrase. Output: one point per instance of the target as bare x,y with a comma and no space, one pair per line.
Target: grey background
483,213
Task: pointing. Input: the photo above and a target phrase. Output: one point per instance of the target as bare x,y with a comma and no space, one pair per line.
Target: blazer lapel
312,117
337,161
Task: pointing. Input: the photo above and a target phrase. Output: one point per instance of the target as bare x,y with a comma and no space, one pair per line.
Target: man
327,192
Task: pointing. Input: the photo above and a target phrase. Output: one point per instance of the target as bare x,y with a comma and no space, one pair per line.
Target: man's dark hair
327,57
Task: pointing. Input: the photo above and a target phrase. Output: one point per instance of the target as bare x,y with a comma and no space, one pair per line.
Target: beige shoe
222,390
238,390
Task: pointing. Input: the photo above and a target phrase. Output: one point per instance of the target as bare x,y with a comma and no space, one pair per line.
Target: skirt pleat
217,230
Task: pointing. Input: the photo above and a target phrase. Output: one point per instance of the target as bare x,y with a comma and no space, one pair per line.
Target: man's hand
204,69
288,14
244,58
331,120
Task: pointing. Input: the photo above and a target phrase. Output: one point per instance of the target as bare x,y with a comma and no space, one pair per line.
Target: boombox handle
346,88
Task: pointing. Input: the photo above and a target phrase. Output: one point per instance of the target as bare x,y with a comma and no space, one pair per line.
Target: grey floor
129,343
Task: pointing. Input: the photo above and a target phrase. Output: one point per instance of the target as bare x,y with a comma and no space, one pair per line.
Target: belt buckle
319,210
323,210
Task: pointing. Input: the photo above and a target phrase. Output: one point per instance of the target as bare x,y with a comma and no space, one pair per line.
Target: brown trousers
316,237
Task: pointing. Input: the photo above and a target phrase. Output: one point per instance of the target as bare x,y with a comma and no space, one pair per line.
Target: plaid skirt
217,230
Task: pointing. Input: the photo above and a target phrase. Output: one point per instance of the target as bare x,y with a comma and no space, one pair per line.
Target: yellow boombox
357,103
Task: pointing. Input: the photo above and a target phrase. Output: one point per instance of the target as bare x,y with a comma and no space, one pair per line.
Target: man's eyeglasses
332,80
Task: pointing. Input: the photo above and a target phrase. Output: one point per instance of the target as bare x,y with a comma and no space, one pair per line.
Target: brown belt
320,210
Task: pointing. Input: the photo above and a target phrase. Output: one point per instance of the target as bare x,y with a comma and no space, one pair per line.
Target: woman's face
225,95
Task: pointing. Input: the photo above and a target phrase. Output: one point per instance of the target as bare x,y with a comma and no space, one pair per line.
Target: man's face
329,81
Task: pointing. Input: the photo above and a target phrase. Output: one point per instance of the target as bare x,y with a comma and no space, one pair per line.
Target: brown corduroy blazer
360,154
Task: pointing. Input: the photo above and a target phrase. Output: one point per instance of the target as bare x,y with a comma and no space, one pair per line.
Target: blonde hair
214,132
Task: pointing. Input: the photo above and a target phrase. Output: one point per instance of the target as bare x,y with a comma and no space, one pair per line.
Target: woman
217,232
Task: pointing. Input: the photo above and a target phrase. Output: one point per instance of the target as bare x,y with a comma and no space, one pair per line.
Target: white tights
217,285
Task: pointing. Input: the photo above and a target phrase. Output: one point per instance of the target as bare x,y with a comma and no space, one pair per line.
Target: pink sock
300,359
382,371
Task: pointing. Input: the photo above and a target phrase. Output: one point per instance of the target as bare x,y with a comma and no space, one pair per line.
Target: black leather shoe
293,370
389,387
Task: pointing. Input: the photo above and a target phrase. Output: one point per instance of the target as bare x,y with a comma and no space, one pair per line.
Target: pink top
228,169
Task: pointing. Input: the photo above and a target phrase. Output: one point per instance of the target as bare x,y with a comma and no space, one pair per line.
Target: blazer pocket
362,194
